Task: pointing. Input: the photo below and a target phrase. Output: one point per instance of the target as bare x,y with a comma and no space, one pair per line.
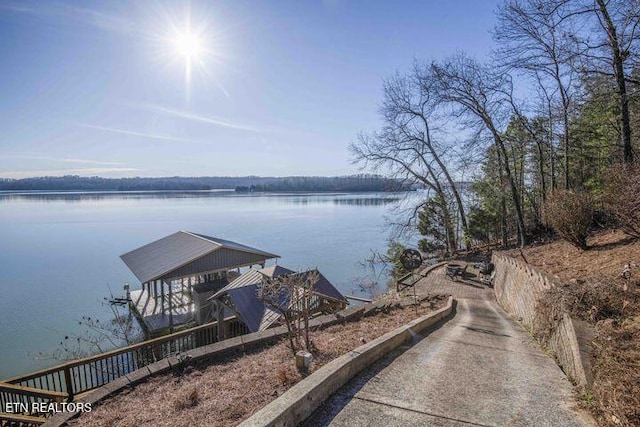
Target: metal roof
253,312
253,277
323,287
234,245
243,292
184,253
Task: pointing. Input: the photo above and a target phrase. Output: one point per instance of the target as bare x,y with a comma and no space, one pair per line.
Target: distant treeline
247,183
317,183
77,183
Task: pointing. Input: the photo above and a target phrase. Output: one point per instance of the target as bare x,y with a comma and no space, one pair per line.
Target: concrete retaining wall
518,288
207,353
299,402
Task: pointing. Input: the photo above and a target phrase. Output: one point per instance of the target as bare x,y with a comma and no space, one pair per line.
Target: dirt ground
593,289
608,253
225,393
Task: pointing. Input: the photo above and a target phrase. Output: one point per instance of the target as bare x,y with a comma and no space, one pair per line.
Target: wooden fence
82,375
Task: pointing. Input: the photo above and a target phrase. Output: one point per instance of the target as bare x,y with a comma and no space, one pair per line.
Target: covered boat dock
180,272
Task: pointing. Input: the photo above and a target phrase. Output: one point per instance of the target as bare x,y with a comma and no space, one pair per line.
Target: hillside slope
608,253
594,289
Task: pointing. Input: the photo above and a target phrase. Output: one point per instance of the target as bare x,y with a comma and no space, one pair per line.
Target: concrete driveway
479,368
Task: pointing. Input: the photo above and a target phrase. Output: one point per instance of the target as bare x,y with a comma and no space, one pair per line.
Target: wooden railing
82,375
23,405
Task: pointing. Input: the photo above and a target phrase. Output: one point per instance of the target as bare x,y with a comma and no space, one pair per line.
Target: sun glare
188,45
189,42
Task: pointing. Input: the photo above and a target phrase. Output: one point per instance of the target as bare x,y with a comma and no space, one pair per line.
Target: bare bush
621,197
187,400
290,295
570,214
288,375
612,308
595,302
94,337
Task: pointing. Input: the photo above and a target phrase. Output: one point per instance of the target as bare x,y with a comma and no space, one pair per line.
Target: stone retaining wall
518,288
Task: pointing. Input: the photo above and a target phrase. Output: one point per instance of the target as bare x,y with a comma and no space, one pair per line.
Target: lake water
59,253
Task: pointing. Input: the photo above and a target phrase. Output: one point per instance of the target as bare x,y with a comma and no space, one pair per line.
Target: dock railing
69,379
25,405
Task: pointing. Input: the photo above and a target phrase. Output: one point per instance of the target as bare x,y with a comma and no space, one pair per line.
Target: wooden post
69,383
220,320
170,308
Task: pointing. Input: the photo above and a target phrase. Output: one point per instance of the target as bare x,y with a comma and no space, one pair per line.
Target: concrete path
479,368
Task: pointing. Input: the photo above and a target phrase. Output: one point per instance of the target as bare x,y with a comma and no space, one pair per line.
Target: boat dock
162,312
179,273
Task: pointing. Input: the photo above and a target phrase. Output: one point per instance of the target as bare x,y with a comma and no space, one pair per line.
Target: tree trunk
287,321
452,245
305,314
543,181
565,119
503,204
618,68
445,171
552,152
456,195
522,240
450,239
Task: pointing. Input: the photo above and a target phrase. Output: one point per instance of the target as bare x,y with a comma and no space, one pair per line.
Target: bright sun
186,41
188,45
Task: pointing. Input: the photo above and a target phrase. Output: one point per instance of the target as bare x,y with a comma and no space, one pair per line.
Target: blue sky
276,88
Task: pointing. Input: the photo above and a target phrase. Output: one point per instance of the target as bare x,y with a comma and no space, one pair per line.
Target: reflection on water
79,196
59,252
367,201
349,201
352,199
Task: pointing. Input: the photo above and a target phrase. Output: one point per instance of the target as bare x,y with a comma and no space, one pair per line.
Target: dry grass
616,388
231,390
609,252
594,290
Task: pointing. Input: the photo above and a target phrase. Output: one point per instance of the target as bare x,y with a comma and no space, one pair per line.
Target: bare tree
95,336
532,38
476,95
291,295
619,22
406,145
610,50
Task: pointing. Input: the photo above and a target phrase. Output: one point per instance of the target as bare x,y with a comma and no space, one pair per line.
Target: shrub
621,197
570,214
188,399
394,252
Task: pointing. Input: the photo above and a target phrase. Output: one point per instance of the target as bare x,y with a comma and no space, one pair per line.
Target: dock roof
184,253
243,291
258,316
